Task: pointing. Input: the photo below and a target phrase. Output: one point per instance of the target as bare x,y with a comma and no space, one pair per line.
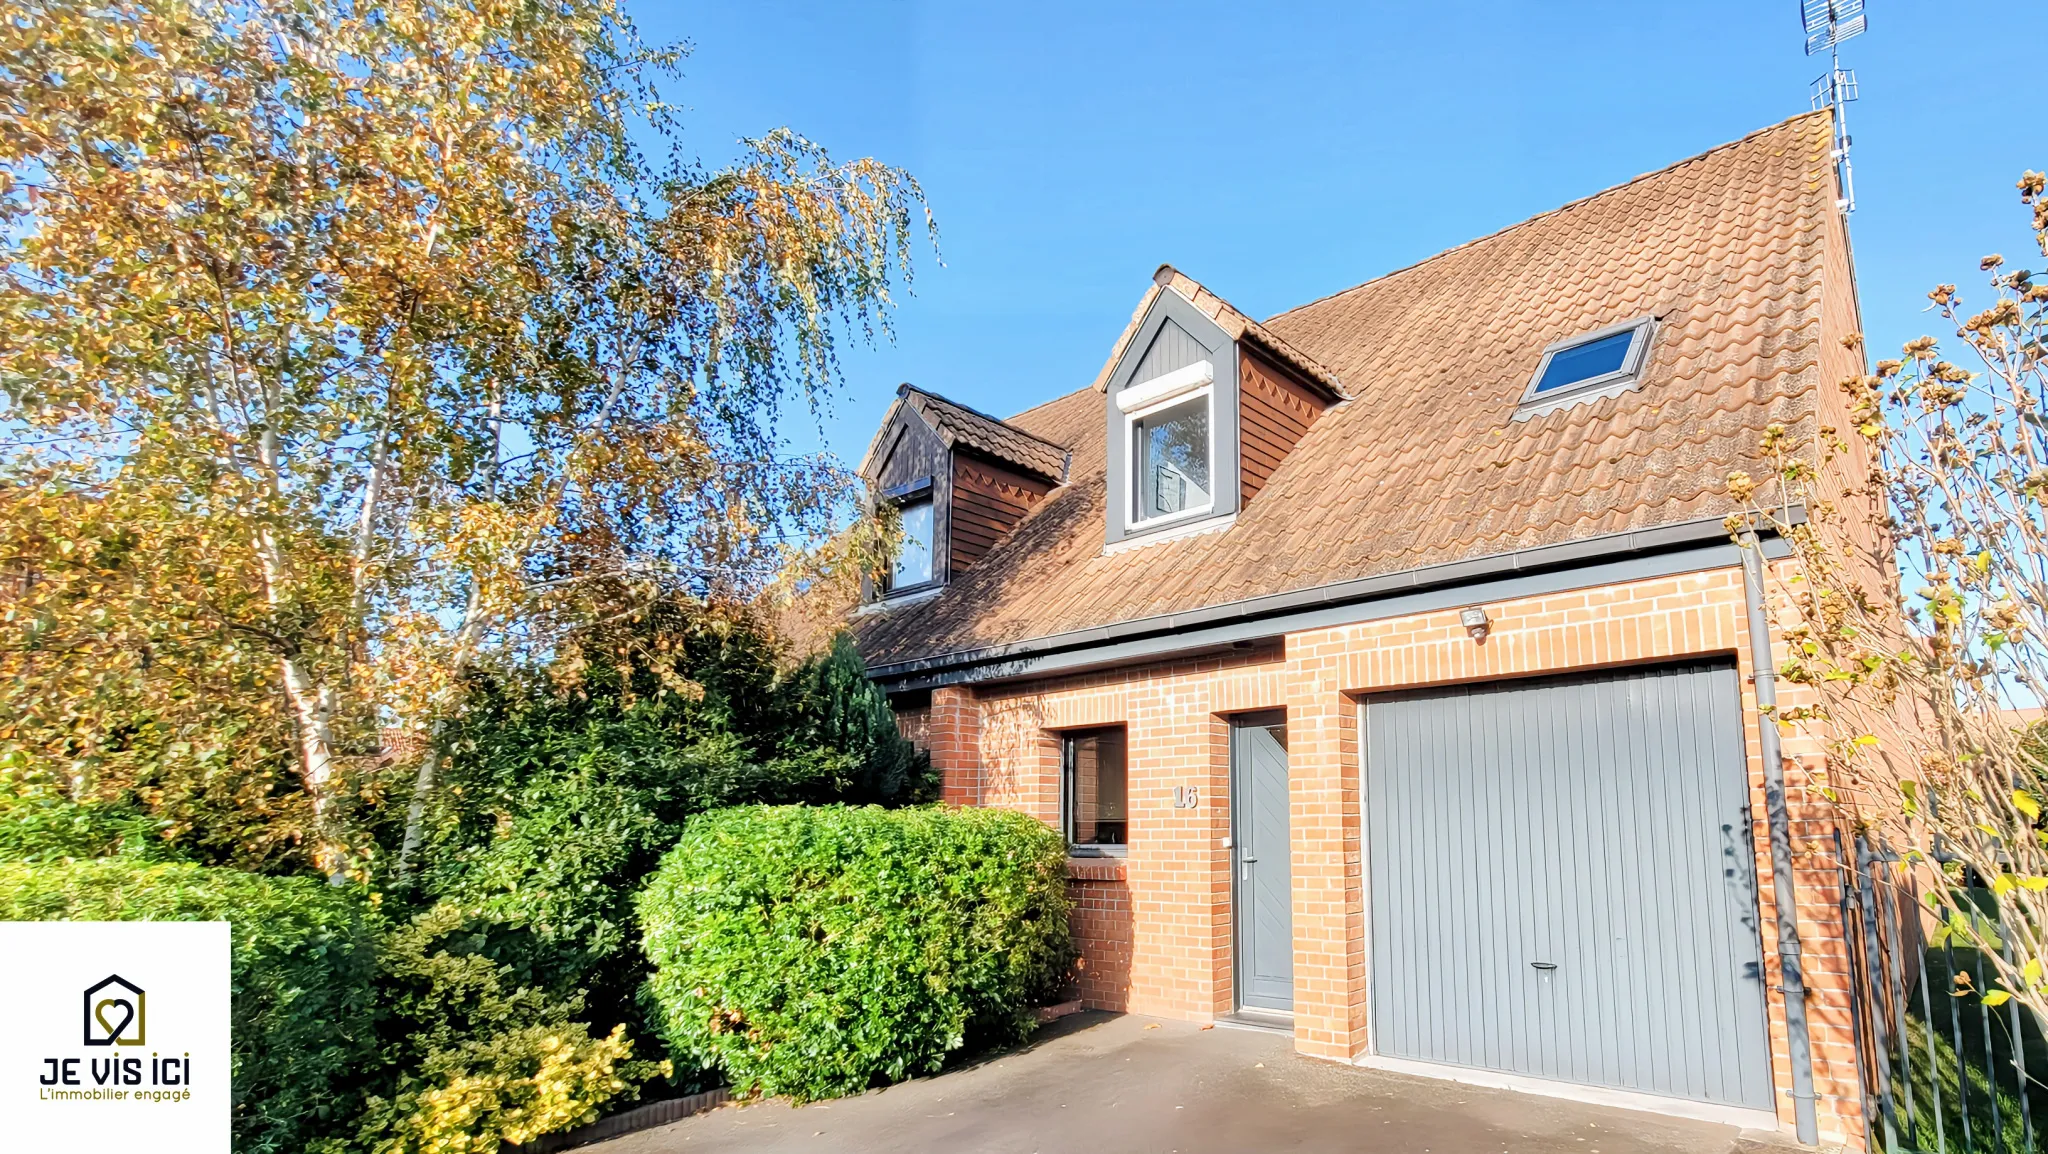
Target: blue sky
1282,151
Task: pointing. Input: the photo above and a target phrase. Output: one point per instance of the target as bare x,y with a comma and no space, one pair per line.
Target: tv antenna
1828,23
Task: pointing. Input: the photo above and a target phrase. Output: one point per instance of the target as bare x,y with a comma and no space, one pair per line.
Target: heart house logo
126,1045
116,1013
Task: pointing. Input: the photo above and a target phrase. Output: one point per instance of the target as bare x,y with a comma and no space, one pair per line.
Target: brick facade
1102,932
1154,930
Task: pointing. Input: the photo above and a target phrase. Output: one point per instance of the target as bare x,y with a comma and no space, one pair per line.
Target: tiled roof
1425,462
958,425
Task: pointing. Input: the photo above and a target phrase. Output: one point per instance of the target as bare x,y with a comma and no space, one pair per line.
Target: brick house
1389,665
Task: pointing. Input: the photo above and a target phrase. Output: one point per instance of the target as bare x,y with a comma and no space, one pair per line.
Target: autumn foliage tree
1915,605
348,345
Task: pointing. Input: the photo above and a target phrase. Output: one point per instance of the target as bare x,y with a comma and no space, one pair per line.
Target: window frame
1069,783
1206,393
920,491
1609,384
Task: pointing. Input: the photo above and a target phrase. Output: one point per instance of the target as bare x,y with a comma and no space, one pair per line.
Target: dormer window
959,481
1171,446
913,565
1202,405
1170,426
1589,366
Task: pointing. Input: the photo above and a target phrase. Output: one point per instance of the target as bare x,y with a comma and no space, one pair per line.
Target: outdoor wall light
1476,623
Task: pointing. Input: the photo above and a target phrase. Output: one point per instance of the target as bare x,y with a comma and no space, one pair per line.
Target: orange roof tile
1425,462
958,425
1234,324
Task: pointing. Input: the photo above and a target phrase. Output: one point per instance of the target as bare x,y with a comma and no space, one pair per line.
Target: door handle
1248,859
1544,965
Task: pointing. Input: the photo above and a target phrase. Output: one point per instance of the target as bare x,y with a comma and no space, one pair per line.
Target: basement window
1094,792
1591,365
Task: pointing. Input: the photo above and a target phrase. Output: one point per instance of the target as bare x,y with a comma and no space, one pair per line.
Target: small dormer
960,481
1203,404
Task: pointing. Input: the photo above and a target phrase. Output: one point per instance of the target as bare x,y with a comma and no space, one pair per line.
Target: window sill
911,596
1173,532
1095,869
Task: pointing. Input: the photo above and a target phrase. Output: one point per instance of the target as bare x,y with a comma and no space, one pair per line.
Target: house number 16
1186,796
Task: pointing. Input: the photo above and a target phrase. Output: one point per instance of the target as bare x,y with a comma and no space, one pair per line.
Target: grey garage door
1563,885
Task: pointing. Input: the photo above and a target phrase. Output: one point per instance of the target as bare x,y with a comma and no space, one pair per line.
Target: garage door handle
1544,965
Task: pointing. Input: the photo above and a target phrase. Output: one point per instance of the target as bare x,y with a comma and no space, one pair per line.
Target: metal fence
1942,1071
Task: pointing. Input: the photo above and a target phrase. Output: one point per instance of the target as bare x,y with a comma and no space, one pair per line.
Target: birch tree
346,345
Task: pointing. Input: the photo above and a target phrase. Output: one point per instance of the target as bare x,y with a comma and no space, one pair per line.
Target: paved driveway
1132,1085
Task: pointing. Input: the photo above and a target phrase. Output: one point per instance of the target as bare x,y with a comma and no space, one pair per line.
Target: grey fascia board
1273,615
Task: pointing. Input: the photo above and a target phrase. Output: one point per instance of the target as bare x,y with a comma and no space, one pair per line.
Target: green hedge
812,951
303,972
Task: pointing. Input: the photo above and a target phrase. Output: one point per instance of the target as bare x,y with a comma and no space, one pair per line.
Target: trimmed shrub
562,790
303,972
477,1054
817,951
510,1088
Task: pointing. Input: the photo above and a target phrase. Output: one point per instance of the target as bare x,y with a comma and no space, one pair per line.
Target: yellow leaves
2025,803
519,1086
420,221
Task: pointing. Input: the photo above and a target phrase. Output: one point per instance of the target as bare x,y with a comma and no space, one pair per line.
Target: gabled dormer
1203,403
959,479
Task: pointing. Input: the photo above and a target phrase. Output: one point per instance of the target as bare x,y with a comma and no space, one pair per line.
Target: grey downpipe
1779,822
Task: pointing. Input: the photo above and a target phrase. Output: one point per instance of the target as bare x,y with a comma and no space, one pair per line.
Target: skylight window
1582,363
1590,365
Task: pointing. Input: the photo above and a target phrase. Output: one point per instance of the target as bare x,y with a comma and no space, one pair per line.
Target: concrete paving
1133,1085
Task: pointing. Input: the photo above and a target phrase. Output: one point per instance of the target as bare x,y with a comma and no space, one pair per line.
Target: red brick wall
1159,942
953,737
1102,932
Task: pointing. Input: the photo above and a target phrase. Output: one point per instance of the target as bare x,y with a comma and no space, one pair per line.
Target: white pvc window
914,555
1171,447
1170,432
1170,428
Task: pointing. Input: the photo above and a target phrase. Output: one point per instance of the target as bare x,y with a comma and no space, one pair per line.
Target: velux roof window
1591,365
